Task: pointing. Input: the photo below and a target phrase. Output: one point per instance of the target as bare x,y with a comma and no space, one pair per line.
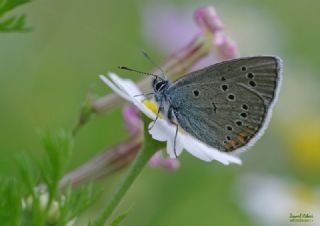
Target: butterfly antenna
139,72
146,55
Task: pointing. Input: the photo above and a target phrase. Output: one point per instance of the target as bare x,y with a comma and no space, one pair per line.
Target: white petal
158,131
125,84
132,90
174,148
144,109
193,148
206,153
163,131
120,92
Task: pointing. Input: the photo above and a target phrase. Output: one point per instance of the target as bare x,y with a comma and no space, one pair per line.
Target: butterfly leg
173,120
143,94
154,122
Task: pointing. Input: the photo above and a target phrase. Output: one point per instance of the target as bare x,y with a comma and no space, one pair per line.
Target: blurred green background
45,75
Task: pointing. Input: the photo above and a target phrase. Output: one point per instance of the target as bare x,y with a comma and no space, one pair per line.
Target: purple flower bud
168,164
171,164
228,49
219,38
155,160
132,119
207,18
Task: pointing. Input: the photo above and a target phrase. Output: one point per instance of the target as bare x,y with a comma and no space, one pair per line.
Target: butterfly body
227,105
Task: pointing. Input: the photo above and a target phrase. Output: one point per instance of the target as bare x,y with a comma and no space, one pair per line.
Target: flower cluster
208,19
203,38
54,210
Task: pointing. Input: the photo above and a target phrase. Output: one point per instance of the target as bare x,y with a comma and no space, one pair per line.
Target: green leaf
25,203
86,112
76,202
119,219
8,5
12,23
27,175
10,202
58,148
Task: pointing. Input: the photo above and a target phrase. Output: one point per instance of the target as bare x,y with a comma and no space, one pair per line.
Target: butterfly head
159,85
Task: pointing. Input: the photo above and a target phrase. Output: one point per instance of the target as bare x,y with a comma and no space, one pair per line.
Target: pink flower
207,18
167,163
132,119
169,28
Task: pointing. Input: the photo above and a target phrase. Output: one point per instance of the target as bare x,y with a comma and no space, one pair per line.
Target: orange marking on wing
233,143
230,145
227,146
242,136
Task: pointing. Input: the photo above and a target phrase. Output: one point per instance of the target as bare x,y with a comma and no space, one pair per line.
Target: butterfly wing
227,105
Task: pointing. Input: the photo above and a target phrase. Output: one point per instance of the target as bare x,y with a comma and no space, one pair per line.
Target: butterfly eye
159,85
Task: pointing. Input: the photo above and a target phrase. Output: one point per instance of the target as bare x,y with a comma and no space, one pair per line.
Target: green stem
149,148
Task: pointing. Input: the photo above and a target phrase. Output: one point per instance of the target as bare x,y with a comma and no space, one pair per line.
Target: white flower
272,201
54,211
165,131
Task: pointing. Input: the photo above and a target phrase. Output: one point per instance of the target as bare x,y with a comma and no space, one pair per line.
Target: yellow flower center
151,105
154,108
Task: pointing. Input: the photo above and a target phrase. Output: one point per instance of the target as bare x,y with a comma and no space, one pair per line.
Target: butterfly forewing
226,105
